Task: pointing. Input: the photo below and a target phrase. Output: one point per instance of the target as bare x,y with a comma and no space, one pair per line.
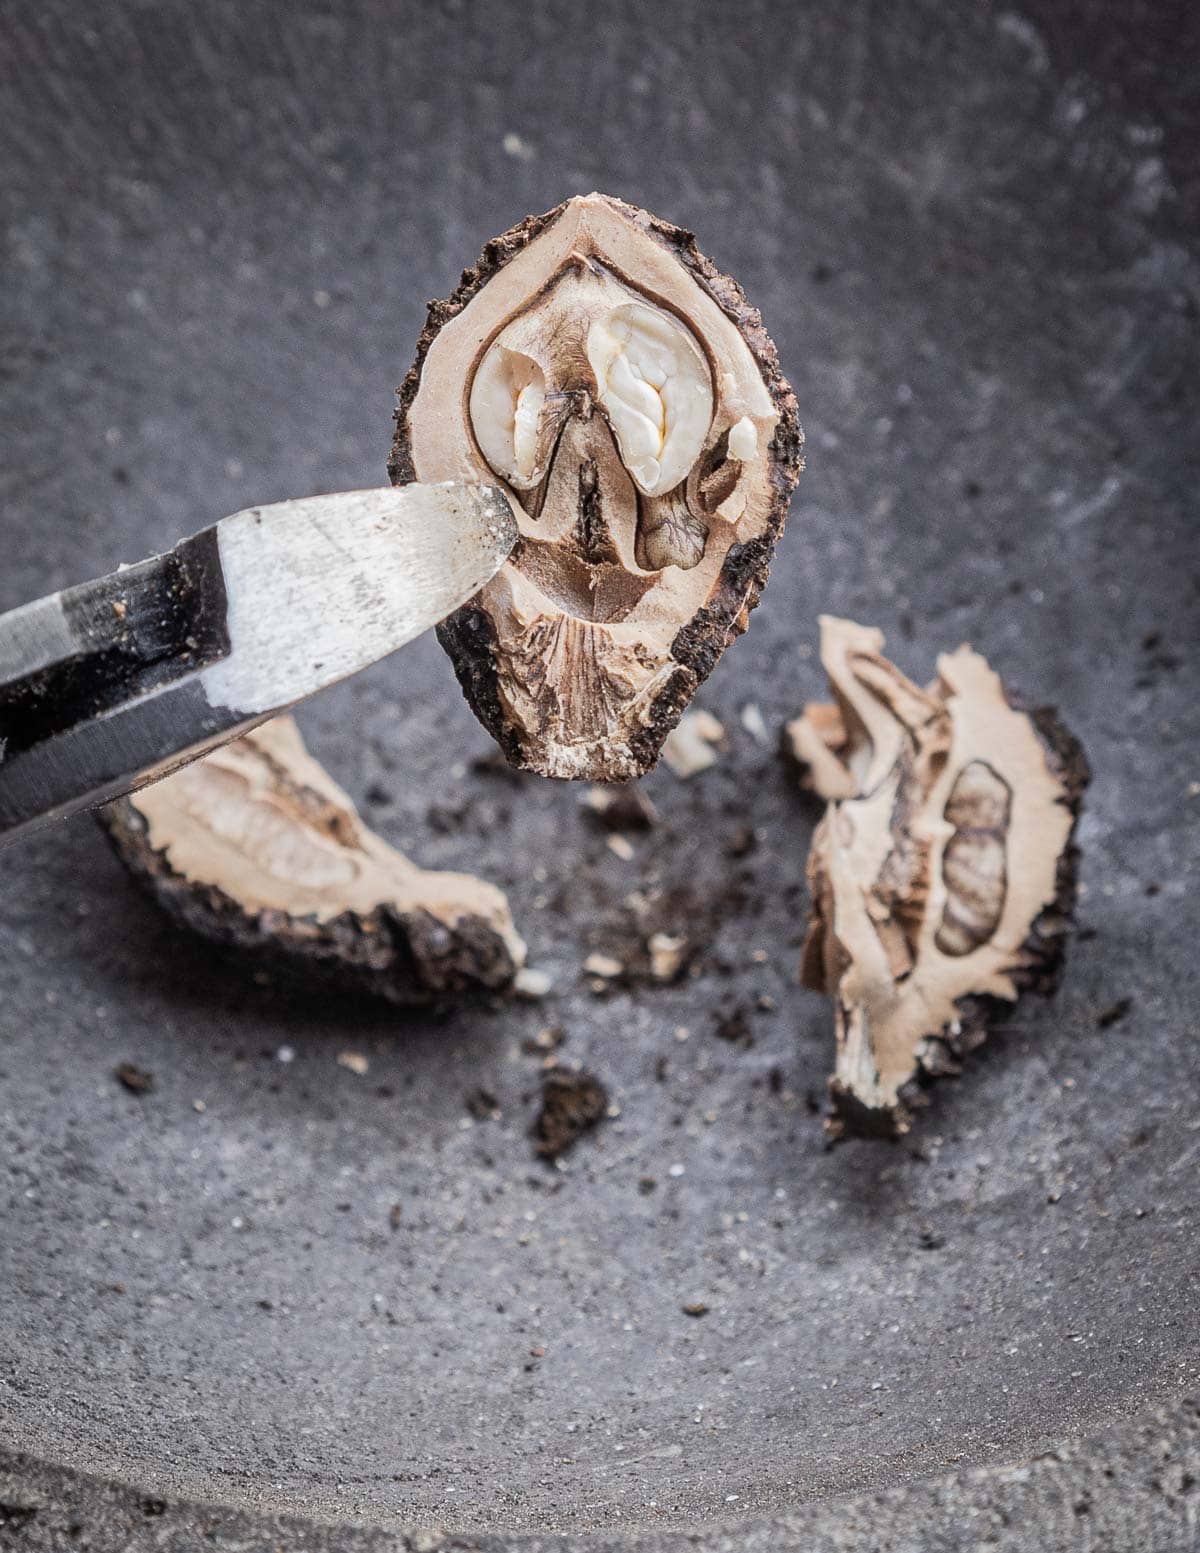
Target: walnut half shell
256,847
942,876
628,397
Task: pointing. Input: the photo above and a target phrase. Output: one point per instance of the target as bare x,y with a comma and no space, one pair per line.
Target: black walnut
626,394
257,848
942,876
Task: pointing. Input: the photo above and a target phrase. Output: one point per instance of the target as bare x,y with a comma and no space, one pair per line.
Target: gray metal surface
974,245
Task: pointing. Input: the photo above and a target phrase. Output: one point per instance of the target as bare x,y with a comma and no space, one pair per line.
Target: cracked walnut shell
256,847
627,396
942,875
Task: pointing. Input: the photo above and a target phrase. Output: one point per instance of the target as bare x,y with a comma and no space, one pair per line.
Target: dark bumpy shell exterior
468,635
403,957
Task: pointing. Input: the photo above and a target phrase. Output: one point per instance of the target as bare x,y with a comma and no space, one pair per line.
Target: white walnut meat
626,394
257,848
942,876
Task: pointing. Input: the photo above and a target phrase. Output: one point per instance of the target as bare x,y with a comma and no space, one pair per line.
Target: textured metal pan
974,246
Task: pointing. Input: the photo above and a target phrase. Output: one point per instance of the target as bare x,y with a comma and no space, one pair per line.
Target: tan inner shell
264,823
630,423
937,853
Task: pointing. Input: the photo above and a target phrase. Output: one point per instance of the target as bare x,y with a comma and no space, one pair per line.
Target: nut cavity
507,400
974,862
670,534
654,384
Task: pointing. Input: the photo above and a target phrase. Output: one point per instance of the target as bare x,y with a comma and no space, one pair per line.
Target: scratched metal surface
975,246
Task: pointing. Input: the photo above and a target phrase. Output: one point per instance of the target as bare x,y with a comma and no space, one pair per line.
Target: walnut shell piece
942,876
257,848
626,394
572,1104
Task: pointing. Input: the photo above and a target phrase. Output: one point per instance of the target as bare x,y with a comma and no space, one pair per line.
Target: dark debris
733,1025
138,1081
483,1105
572,1104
